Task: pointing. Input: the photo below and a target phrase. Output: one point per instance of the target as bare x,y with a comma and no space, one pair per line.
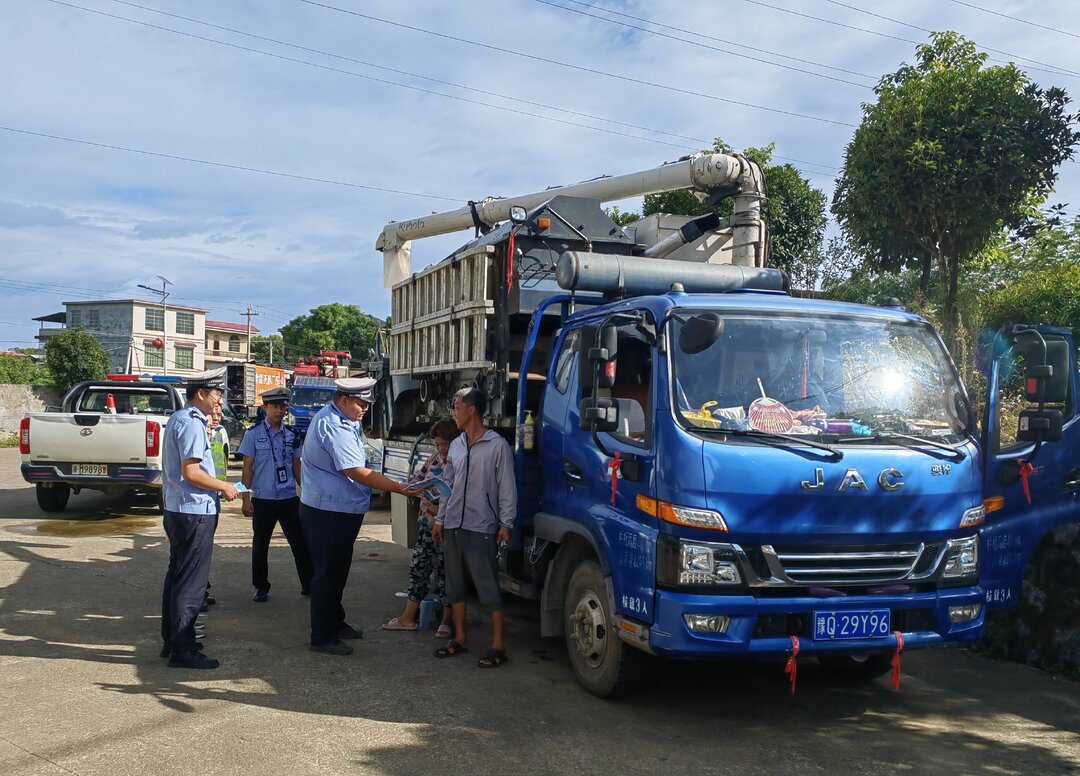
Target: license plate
851,624
99,469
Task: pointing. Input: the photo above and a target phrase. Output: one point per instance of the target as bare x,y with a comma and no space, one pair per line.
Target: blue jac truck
722,470
308,395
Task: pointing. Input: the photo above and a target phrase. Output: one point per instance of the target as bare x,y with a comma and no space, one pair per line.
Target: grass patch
11,440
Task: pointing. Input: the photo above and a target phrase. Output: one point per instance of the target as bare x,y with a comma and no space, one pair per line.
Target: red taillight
24,436
153,439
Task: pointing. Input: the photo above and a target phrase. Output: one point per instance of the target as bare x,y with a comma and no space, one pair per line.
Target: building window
217,345
93,319
234,344
74,318
154,356
185,358
185,323
155,319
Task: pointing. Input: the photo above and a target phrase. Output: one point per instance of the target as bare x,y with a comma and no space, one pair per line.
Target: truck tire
54,497
602,662
863,667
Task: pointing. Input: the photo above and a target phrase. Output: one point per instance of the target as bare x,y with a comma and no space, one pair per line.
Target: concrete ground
83,691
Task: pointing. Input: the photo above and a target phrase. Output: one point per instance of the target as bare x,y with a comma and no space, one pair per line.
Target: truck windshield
312,397
825,378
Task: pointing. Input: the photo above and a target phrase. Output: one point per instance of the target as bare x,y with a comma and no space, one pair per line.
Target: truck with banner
719,469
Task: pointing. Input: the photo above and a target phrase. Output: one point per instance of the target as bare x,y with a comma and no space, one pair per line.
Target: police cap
275,396
211,379
362,388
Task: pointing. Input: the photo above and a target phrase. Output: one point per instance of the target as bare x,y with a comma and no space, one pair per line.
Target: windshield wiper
956,453
766,436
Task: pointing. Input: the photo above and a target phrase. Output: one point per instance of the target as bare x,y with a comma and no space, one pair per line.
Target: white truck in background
106,437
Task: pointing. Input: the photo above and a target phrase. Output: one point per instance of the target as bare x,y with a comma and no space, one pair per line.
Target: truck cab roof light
167,379
123,378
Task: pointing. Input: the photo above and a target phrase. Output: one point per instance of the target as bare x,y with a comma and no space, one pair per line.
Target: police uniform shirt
185,438
334,443
271,450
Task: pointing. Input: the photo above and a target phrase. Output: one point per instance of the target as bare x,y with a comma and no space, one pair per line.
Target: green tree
331,327
951,153
262,348
75,356
20,370
795,212
620,217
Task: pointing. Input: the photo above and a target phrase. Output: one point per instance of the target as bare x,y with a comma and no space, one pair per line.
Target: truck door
625,533
1017,520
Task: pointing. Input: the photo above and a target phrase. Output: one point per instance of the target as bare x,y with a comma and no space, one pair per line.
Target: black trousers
267,513
330,537
191,542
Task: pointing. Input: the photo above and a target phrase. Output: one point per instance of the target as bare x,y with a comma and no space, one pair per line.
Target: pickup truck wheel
862,667
602,662
54,497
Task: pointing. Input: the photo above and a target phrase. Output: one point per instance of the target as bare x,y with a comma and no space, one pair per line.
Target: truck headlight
961,558
290,419
682,563
695,518
973,517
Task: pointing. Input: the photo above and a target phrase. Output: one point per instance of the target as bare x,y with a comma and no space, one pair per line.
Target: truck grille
853,565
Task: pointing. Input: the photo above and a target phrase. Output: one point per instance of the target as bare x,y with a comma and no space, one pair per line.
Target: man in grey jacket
474,519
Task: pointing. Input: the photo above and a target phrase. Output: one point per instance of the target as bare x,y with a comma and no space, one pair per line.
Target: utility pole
249,313
271,339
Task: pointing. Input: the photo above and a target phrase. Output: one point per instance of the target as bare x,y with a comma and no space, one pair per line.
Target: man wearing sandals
474,519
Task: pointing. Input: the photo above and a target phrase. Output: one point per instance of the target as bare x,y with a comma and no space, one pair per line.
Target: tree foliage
331,327
75,356
262,351
795,212
23,370
950,154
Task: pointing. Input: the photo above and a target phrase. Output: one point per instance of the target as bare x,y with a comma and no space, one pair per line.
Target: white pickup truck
107,437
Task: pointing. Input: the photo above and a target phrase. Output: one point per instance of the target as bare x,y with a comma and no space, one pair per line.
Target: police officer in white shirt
335,495
271,452
191,492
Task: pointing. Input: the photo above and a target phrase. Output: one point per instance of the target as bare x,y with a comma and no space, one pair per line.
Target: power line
711,48
1016,18
579,68
1049,69
1061,70
226,165
365,63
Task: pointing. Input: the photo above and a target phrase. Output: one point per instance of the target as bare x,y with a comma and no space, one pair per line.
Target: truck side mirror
1054,373
700,332
1039,426
598,414
597,357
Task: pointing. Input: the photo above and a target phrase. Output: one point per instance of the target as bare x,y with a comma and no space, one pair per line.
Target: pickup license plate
852,624
98,469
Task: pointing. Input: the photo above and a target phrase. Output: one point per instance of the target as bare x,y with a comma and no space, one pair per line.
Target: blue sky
323,100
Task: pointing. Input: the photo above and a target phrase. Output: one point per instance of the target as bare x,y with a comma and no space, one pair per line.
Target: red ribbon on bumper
616,462
896,660
510,264
1025,471
792,667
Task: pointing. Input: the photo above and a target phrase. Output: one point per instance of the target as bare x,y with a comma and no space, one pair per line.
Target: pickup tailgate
87,438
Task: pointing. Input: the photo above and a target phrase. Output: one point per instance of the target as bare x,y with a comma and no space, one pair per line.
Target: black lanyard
273,452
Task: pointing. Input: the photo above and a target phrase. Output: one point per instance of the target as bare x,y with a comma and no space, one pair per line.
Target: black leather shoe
260,596
166,650
347,631
210,600
332,648
192,660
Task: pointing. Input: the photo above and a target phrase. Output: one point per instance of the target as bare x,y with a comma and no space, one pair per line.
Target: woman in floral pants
427,556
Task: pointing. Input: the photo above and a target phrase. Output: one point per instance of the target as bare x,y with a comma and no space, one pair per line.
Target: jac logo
86,432
890,479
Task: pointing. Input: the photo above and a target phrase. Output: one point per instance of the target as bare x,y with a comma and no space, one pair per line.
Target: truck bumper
762,627
118,475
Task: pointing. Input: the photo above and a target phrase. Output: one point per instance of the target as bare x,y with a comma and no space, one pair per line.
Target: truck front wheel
863,667
602,662
53,498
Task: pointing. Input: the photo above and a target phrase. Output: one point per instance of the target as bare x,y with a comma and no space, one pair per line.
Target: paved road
83,691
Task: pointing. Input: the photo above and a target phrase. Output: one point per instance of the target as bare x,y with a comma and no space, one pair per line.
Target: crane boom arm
700,172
